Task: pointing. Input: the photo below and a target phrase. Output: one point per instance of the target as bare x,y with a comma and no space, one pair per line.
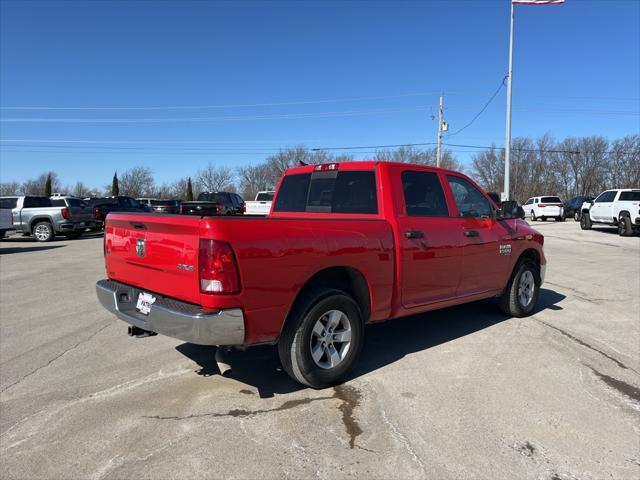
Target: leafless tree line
542,166
570,167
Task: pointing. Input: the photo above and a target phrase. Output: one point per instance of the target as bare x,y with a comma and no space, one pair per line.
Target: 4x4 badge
505,249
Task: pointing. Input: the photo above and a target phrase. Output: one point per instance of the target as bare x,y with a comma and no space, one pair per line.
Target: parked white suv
620,208
543,208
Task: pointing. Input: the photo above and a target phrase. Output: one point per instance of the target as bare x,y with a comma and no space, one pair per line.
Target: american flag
536,2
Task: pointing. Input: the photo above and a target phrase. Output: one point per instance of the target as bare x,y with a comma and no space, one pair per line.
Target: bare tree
81,190
136,182
38,186
216,179
624,162
9,188
252,179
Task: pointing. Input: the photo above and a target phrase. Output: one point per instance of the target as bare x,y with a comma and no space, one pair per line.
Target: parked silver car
38,216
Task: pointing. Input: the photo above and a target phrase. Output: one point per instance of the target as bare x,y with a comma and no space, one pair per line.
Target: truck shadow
7,250
385,343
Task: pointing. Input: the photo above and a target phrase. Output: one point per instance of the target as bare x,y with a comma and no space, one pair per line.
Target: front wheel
43,232
521,295
625,229
533,216
576,216
585,221
322,338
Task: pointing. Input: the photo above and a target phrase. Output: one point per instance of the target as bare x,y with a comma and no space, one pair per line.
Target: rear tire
625,229
521,295
306,347
43,231
560,219
585,221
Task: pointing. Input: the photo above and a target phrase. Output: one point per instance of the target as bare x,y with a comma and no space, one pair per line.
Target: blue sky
577,72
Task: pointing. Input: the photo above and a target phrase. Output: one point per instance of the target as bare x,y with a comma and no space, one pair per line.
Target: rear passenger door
486,242
429,239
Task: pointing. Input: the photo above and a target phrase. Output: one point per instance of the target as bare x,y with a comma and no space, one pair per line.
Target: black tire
585,221
576,216
625,229
560,219
74,235
533,216
510,301
2,232
294,346
544,219
43,232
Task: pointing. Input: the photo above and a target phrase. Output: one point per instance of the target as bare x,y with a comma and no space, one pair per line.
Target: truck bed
275,257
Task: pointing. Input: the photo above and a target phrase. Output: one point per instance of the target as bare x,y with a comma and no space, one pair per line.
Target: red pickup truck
344,245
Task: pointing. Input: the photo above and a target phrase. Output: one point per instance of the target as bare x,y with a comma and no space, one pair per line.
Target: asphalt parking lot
458,393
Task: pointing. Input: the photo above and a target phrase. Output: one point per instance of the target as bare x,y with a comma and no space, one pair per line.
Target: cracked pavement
457,393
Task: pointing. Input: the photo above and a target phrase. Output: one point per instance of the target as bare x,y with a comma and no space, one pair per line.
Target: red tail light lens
181,209
542,206
65,213
96,212
218,209
218,268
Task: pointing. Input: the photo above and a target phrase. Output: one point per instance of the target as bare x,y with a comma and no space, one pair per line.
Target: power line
345,113
239,105
481,110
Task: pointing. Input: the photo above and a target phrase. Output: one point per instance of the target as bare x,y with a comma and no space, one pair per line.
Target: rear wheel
560,219
576,216
585,221
43,231
521,295
322,338
625,229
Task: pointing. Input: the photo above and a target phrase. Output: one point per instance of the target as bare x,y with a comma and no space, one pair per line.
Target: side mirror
510,209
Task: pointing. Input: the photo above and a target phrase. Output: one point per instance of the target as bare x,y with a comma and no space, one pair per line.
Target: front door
486,242
429,239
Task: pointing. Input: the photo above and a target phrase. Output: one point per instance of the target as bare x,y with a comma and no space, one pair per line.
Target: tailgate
156,253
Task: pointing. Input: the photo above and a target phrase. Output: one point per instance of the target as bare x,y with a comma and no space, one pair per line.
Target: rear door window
58,202
9,203
36,202
423,194
633,196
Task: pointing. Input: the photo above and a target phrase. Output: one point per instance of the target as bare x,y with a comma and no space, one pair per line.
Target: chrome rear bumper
173,318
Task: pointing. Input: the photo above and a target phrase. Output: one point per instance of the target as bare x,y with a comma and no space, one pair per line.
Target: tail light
96,212
326,167
542,205
218,209
181,209
65,213
218,268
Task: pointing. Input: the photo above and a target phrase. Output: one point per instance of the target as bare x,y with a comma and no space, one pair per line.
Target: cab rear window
329,192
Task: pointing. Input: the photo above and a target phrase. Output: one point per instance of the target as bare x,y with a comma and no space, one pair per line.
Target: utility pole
507,143
439,148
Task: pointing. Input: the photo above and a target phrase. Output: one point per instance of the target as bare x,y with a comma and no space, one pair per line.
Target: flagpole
507,144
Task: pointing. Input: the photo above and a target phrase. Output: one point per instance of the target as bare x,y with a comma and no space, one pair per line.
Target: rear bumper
173,318
71,227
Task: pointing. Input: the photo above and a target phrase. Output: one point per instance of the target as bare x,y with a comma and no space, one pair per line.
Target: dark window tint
8,202
129,202
630,196
264,197
423,195
36,202
58,202
470,201
550,200
220,198
76,202
354,192
292,196
606,197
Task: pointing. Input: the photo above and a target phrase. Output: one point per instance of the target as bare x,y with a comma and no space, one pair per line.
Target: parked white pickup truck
261,205
619,208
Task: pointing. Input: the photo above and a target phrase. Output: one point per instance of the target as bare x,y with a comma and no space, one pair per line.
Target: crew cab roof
363,165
